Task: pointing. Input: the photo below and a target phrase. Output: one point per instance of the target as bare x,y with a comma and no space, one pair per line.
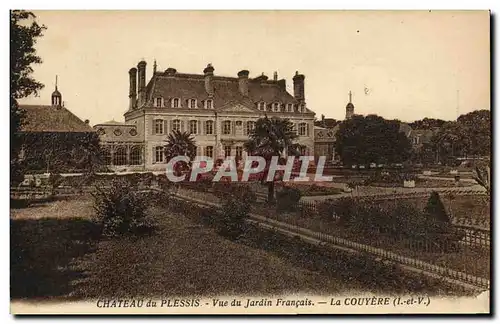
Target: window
117,132
209,104
302,108
107,156
120,156
226,127
175,103
276,107
159,154
209,151
133,132
193,126
239,152
289,107
158,102
239,123
101,131
192,103
135,155
176,125
262,106
250,127
158,126
227,150
209,127
302,129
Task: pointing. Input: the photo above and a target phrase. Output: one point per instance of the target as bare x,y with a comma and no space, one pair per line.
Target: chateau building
219,111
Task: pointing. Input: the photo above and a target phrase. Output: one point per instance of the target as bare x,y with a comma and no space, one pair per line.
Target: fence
466,260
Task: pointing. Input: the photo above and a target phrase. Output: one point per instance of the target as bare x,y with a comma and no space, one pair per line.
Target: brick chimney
275,76
298,86
209,73
243,82
132,95
141,68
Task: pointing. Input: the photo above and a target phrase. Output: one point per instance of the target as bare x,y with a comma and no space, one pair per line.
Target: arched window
135,155
226,127
193,127
250,126
192,103
158,126
176,125
120,156
261,106
209,104
176,103
107,156
276,107
209,127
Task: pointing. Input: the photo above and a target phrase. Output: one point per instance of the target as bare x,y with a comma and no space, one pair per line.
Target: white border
211,5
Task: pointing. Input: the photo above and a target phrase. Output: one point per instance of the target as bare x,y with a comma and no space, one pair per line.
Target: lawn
55,253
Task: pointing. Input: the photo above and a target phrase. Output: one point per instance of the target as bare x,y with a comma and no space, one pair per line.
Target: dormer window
261,106
209,104
289,107
192,103
302,108
176,103
276,107
158,102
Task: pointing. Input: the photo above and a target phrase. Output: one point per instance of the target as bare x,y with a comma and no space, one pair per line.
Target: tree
450,142
24,32
477,126
271,137
427,123
371,139
180,144
469,136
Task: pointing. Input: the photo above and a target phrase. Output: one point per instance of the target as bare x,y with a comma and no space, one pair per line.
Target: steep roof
226,89
45,118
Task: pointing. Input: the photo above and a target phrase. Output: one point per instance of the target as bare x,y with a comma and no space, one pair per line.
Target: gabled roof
226,90
44,118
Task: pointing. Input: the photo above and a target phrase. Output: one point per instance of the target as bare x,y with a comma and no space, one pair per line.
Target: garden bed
472,260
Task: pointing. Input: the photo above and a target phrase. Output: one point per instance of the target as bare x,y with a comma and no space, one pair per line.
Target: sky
398,64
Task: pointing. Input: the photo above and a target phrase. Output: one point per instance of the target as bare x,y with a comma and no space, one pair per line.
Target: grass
44,241
56,254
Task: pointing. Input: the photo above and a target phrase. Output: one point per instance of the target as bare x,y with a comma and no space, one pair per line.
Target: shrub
287,198
240,191
230,221
121,209
435,208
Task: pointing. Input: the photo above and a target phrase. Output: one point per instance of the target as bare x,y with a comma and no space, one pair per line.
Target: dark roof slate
45,118
226,90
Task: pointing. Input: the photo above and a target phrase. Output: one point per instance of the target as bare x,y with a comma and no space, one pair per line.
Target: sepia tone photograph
250,162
